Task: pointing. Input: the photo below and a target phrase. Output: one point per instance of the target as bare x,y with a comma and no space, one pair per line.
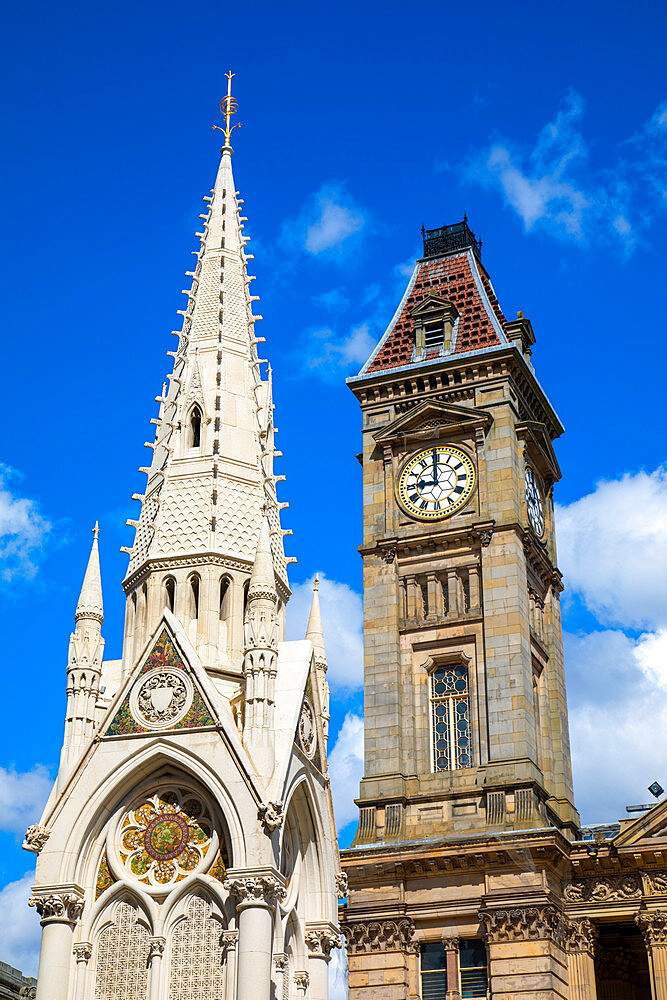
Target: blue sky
547,125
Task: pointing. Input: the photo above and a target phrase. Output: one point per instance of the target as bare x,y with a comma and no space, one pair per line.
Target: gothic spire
90,599
314,630
263,577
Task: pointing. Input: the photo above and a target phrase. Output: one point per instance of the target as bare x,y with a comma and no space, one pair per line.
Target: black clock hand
435,467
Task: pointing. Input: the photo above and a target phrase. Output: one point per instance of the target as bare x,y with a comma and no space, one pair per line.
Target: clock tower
466,731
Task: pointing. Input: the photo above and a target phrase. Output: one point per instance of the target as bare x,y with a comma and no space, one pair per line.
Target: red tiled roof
450,278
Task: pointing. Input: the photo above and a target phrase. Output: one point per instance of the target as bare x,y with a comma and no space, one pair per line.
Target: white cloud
22,530
346,769
341,622
327,221
22,797
553,187
326,353
612,546
21,931
615,718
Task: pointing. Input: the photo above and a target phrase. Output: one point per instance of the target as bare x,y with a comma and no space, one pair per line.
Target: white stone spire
90,600
315,633
260,662
211,478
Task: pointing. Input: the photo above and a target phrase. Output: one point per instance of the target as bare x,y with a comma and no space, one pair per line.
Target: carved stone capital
450,941
341,885
581,935
229,940
35,838
653,925
280,963
82,951
64,903
321,941
156,946
302,982
379,935
261,889
525,923
271,816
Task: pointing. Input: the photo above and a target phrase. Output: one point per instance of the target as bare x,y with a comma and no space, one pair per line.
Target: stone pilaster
379,953
653,925
580,938
450,943
526,947
59,908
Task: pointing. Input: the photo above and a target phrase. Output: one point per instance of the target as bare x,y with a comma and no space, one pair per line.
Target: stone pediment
540,449
433,303
646,831
428,417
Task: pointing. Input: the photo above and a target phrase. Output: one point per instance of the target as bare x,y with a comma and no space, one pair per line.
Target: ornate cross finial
227,109
96,530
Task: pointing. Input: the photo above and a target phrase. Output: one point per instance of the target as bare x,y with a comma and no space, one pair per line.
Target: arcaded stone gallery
188,849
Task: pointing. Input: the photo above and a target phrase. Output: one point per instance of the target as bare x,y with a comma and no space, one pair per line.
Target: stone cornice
379,935
603,889
165,563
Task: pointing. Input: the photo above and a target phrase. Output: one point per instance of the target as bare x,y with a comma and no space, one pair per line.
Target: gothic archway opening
194,428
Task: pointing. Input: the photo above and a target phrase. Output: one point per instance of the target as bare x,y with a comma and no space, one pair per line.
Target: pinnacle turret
263,577
90,600
314,630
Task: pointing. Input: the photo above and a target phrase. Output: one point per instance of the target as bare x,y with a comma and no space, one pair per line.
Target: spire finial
316,582
228,108
96,530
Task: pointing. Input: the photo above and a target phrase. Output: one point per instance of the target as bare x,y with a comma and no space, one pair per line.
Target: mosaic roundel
162,699
167,836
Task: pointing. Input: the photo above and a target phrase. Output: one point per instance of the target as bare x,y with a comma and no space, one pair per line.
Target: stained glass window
450,719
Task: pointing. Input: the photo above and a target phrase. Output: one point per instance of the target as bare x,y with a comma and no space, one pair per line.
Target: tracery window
195,428
122,957
196,970
450,718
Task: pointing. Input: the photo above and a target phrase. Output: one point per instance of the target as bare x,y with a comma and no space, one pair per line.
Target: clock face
534,502
436,482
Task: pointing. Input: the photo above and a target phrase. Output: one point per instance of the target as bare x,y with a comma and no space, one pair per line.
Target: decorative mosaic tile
104,876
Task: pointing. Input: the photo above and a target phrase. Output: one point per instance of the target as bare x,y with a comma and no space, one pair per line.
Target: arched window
246,586
194,596
196,969
225,598
170,593
121,967
194,430
450,718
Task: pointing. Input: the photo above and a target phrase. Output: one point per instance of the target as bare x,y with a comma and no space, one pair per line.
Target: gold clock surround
425,499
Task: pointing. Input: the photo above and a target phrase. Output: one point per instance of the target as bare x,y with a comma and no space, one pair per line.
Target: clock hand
435,467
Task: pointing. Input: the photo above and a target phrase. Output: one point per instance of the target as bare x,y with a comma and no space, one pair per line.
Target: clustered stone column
60,908
581,938
256,892
653,925
320,940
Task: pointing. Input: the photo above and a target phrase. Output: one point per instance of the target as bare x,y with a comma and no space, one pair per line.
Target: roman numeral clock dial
436,483
534,502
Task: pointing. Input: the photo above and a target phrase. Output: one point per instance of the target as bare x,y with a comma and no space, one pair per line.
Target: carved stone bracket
581,935
260,889
485,537
35,838
380,935
280,963
525,923
229,940
321,941
388,554
271,816
614,888
653,925
302,982
64,904
341,885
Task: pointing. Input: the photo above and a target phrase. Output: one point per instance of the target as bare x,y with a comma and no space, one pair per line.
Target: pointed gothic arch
194,428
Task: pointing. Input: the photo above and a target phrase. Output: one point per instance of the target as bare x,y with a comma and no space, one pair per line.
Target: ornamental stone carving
280,963
320,941
615,888
156,946
307,733
229,940
35,838
162,699
249,890
271,816
581,935
341,885
388,554
485,537
653,925
450,942
380,935
83,951
655,883
64,905
302,982
525,923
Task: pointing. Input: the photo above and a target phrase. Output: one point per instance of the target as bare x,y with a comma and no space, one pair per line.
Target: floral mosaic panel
166,837
163,655
104,876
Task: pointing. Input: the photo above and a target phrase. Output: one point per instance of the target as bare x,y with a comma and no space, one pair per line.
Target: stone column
256,891
320,939
82,952
229,942
526,951
280,971
581,936
59,908
450,943
653,925
453,592
155,953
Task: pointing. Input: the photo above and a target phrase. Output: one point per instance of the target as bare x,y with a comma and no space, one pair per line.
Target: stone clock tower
467,758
